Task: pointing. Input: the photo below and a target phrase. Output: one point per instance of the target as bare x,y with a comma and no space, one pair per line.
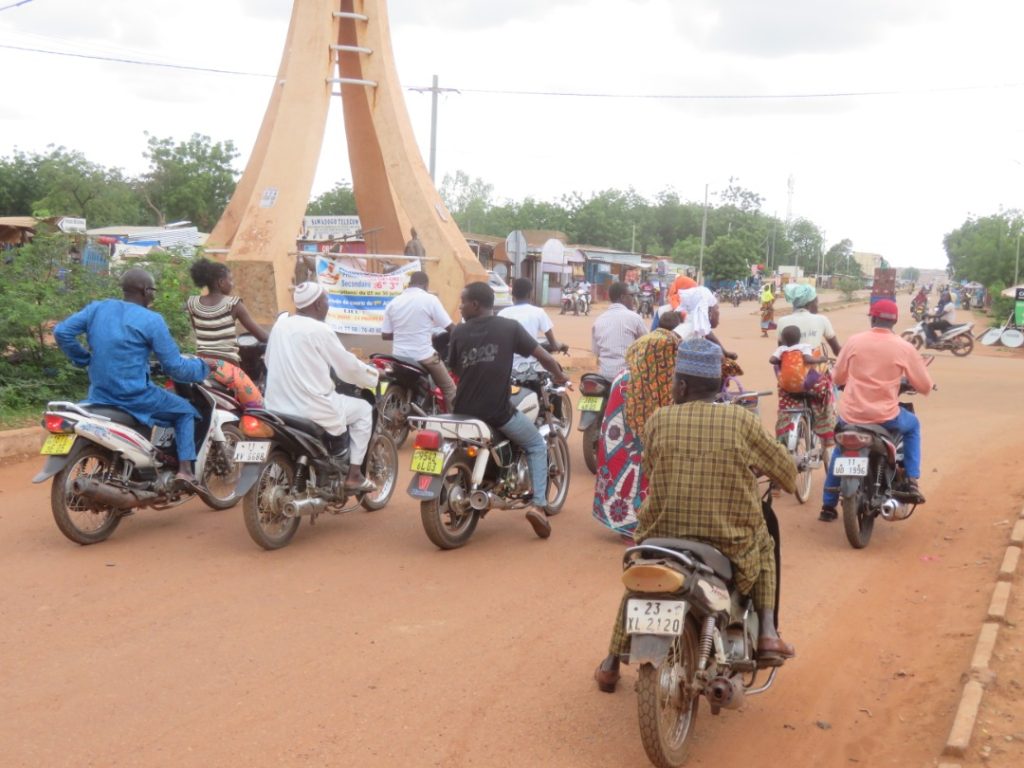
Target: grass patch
17,418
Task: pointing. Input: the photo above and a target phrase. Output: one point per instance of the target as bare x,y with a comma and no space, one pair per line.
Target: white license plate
655,617
851,466
252,452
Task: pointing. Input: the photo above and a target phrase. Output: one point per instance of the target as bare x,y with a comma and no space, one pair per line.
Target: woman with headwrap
702,318
816,331
767,310
636,393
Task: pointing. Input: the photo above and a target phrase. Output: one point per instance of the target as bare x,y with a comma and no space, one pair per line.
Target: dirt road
178,642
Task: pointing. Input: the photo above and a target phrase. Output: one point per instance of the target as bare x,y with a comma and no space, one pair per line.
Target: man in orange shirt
871,366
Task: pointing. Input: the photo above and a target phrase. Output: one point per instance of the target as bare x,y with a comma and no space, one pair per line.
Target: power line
561,94
15,5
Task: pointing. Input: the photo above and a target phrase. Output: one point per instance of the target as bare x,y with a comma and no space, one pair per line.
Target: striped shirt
613,332
214,327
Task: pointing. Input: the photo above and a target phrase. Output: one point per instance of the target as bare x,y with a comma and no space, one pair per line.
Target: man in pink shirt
871,366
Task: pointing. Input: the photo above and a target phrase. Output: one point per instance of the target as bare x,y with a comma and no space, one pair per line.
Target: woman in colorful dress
213,317
767,310
636,393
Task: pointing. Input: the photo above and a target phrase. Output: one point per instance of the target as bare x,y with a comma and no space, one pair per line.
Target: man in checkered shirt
698,457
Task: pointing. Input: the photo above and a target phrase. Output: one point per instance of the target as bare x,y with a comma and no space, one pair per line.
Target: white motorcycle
583,301
105,464
957,339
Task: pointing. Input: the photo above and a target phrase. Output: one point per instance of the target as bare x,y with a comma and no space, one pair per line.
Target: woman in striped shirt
213,317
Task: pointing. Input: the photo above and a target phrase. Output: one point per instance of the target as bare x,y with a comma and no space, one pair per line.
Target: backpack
792,371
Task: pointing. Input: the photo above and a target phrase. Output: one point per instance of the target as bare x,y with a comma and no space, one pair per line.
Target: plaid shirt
697,458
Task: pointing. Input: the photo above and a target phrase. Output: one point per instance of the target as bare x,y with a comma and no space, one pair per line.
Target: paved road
179,642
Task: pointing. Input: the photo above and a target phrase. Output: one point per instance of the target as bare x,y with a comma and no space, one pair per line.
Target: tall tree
337,201
190,180
73,186
984,249
807,242
728,258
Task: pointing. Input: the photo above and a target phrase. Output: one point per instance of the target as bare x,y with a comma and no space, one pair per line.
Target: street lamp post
1016,266
703,236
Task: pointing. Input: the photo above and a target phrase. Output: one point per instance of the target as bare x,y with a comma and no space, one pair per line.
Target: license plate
57,445
382,387
851,466
590,403
427,462
655,617
252,452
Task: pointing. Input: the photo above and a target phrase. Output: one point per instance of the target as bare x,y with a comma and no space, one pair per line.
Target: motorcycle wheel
559,472
962,345
381,467
74,515
264,521
805,443
667,703
220,485
445,526
857,520
391,421
563,411
590,437
914,338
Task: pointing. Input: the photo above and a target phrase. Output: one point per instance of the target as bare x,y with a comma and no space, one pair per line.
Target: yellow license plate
590,404
57,445
427,462
382,386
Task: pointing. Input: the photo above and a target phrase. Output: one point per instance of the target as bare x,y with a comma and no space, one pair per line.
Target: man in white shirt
617,328
409,321
301,353
943,318
534,319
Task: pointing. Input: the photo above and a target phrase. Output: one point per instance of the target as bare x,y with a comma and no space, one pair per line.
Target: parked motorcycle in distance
583,301
957,339
594,391
463,469
568,300
692,636
106,465
646,307
870,472
288,472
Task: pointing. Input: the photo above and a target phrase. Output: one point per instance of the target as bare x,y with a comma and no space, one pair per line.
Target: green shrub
1002,306
848,286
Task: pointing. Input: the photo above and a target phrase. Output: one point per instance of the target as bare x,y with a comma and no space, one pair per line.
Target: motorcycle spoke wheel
806,442
78,518
382,469
261,508
220,474
563,411
858,522
390,419
962,345
558,474
448,520
667,701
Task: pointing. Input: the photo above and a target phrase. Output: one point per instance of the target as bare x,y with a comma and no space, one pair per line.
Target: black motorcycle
594,391
293,468
406,390
646,303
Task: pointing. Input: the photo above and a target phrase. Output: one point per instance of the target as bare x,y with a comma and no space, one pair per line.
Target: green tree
911,274
728,258
337,201
839,261
20,185
984,249
468,200
807,242
71,185
190,180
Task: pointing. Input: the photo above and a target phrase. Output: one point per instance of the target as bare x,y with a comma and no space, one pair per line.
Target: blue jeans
907,424
520,430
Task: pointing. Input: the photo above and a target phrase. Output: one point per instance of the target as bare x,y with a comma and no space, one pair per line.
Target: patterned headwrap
799,295
696,302
699,357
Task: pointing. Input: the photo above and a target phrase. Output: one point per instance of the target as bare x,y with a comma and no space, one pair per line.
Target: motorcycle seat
302,424
408,361
706,553
458,426
874,429
117,416
800,396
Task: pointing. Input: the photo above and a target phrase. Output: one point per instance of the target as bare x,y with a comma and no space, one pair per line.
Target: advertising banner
357,298
1018,312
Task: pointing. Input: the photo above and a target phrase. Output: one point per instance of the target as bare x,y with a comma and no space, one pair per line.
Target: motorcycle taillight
253,427
853,441
57,424
428,440
591,388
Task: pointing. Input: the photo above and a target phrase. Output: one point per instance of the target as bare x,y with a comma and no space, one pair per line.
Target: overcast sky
934,132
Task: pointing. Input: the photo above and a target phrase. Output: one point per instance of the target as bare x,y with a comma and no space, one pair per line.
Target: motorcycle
568,300
594,391
463,469
105,464
918,310
957,339
646,303
583,301
251,352
870,470
530,375
692,636
288,472
406,389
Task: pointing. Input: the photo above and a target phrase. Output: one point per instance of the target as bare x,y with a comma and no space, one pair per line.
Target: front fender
649,649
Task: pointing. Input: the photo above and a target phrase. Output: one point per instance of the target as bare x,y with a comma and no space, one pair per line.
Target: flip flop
184,484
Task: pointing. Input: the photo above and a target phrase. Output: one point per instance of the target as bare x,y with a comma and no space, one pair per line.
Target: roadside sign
515,247
69,224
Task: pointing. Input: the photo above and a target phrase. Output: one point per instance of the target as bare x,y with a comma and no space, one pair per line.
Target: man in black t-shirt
480,353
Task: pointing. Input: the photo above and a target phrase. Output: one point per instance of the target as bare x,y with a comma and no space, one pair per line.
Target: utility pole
434,91
1016,268
703,236
632,247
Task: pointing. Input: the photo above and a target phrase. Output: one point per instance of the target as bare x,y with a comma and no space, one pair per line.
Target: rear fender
589,417
425,487
55,464
649,649
247,478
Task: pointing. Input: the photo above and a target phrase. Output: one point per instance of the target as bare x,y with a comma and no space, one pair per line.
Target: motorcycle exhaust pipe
109,496
298,507
895,510
482,501
725,692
